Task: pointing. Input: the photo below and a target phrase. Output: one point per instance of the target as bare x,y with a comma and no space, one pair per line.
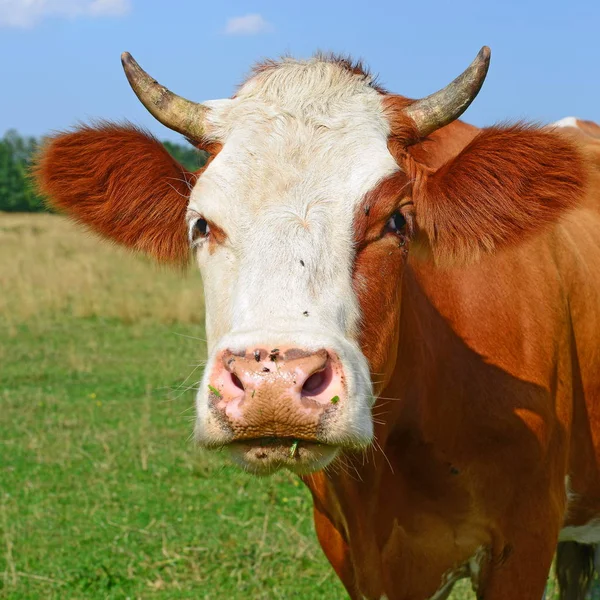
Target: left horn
171,110
448,104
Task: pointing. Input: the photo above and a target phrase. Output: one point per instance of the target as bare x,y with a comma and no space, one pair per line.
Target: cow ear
121,183
506,184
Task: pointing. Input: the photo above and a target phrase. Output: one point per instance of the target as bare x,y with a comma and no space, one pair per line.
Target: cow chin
266,456
264,453
276,446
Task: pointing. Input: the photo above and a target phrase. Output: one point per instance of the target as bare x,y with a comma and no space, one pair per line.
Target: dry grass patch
49,266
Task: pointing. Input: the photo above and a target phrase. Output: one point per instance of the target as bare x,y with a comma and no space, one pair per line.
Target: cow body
408,318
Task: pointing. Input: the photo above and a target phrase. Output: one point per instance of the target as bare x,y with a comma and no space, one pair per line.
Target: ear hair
122,183
508,183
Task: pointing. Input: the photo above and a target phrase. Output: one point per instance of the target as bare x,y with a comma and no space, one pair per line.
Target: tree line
17,153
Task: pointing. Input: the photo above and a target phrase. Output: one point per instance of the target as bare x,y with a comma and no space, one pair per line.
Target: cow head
301,224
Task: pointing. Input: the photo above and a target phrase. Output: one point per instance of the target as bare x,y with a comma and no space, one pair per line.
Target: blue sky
60,58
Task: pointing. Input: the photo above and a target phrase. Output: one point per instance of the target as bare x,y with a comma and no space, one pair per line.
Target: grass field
102,494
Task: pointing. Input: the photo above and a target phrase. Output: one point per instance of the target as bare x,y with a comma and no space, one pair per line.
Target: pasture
102,493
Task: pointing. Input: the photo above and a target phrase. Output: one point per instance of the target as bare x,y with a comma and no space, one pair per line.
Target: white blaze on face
303,143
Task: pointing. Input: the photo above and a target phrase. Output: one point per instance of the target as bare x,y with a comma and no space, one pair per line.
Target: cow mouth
265,455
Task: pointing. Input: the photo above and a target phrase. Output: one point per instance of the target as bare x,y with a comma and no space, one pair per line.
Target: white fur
566,122
302,145
448,580
472,569
584,534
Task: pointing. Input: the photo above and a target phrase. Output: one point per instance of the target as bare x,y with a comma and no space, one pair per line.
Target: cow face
276,221
300,225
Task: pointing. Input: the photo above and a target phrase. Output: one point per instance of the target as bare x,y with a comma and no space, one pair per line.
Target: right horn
171,110
449,103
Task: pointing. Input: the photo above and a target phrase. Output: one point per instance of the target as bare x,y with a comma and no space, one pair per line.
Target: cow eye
396,223
200,229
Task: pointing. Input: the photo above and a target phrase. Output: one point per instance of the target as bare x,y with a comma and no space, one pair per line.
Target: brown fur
473,198
507,184
122,183
463,209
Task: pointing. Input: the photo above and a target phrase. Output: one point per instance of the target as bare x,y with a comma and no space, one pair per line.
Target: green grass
102,494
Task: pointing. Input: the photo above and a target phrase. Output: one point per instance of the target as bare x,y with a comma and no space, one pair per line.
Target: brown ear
505,185
123,184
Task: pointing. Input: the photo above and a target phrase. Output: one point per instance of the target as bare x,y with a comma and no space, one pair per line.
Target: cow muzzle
277,404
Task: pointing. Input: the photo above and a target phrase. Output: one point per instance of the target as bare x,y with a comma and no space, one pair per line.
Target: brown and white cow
402,308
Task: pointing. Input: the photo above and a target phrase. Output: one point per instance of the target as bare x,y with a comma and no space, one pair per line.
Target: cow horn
171,110
449,103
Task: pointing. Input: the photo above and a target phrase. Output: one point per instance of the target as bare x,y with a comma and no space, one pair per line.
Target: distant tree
17,192
191,158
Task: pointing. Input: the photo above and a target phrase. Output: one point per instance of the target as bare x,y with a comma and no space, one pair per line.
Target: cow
401,308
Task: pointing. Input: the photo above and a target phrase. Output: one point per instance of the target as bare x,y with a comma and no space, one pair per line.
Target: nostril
236,381
317,382
313,382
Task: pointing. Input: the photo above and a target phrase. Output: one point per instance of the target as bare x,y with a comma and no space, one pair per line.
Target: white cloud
248,25
28,13
109,8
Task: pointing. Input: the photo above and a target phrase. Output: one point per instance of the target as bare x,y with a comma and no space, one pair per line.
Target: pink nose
281,392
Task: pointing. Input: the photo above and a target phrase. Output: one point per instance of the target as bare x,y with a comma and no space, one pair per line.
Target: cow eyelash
199,230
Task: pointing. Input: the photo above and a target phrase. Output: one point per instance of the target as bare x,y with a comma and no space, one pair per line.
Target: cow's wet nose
276,392
298,374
